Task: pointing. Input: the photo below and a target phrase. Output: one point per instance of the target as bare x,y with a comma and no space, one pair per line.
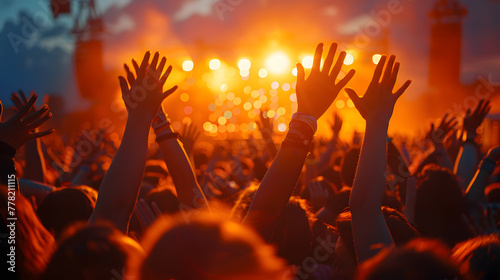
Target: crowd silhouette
307,208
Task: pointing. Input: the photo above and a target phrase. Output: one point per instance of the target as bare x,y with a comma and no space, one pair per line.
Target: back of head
439,206
420,259
292,233
33,243
479,257
401,230
206,247
63,207
93,252
165,198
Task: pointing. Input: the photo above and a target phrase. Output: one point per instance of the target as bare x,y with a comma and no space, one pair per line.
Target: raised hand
143,94
316,93
377,104
336,125
190,133
20,128
445,127
473,120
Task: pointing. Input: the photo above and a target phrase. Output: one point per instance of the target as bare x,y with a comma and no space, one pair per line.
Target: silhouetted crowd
93,207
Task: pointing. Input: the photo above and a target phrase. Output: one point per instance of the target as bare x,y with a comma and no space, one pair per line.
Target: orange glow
278,63
244,64
187,65
376,58
214,64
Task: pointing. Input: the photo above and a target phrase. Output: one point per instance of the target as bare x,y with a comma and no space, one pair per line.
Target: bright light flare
307,62
277,63
376,58
244,64
187,65
214,64
349,59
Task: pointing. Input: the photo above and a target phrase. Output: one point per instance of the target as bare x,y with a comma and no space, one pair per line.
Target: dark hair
401,230
34,244
63,207
205,247
165,198
479,257
439,206
292,232
95,251
420,259
349,165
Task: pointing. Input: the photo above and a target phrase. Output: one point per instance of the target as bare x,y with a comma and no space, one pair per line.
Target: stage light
184,97
222,120
294,71
187,65
263,73
286,87
307,61
275,85
214,64
207,126
293,97
376,58
277,63
340,104
282,127
244,64
349,59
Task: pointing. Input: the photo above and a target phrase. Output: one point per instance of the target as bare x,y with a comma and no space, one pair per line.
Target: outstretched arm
475,191
466,162
314,96
376,107
189,192
120,186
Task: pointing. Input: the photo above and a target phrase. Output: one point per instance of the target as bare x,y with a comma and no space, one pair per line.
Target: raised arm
35,163
143,96
466,162
475,191
17,131
376,107
189,192
314,95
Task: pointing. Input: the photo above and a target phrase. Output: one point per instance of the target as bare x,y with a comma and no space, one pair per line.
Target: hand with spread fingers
316,93
377,104
20,128
474,119
143,94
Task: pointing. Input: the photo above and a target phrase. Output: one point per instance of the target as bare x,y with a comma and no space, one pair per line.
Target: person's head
242,204
165,198
34,244
292,234
492,193
419,260
96,251
479,257
154,171
349,165
63,207
439,206
206,247
401,231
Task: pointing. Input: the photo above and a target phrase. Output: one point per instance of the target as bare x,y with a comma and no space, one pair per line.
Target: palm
317,93
379,100
145,94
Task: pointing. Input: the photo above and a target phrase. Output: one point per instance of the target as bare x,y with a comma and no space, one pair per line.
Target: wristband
166,136
307,119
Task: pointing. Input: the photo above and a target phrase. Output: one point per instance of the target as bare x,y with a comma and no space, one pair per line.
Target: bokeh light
214,64
376,58
188,65
244,64
278,63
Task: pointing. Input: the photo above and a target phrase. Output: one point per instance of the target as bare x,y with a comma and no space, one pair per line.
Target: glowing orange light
278,63
244,64
187,65
349,59
307,61
214,64
263,73
376,58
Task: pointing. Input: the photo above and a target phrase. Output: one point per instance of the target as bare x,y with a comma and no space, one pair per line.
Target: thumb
353,95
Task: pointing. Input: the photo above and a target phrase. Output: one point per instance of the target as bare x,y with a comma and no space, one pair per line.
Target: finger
35,115
329,58
38,122
154,62
338,65
342,83
478,107
388,70
23,96
17,101
378,70
26,108
136,66
130,75
317,58
161,66
165,76
41,134
353,95
156,209
169,92
402,89
301,74
394,76
123,84
144,65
